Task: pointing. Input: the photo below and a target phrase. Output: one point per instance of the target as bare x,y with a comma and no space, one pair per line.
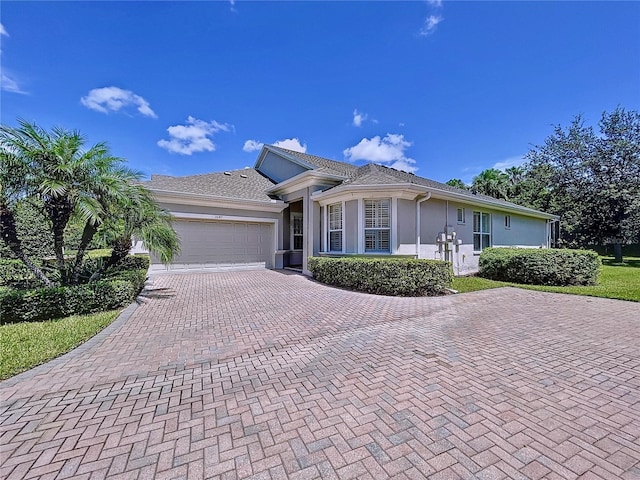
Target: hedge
117,289
536,266
384,276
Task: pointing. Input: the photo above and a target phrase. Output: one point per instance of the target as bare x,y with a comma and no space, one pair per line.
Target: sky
442,88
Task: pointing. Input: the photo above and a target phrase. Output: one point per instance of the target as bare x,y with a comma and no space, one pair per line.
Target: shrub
14,272
118,288
384,276
540,266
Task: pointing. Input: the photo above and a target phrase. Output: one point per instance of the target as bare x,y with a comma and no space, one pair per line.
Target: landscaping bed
615,281
118,287
384,276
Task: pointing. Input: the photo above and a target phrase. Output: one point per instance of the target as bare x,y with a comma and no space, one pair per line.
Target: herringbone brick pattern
266,375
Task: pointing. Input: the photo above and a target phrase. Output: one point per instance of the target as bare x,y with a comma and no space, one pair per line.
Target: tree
491,182
54,169
457,183
139,217
591,180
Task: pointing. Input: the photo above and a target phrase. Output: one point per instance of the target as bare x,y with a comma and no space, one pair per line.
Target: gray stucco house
294,205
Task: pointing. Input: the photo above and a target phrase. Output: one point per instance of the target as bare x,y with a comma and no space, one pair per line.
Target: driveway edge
83,347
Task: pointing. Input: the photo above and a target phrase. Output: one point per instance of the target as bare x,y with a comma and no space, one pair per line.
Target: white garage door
223,244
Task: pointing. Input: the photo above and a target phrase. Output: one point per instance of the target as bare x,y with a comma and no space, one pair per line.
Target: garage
223,245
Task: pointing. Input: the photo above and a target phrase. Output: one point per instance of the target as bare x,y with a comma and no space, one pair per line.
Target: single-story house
293,205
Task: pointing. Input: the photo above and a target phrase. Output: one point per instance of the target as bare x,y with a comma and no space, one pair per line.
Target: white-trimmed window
507,221
461,216
481,231
297,238
377,225
335,227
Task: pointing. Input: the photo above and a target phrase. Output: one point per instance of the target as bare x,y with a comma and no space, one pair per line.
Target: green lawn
616,281
25,345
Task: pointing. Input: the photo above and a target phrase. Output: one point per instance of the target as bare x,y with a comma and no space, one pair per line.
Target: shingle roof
322,164
374,174
248,184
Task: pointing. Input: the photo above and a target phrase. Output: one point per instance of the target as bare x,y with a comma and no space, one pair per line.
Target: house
293,205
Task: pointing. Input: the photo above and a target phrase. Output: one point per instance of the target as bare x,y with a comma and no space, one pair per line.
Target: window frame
507,222
462,221
331,230
481,231
377,224
294,216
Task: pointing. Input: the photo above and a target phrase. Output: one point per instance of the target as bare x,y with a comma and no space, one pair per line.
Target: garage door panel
225,244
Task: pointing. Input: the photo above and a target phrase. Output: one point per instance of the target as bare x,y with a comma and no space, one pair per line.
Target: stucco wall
350,224
524,231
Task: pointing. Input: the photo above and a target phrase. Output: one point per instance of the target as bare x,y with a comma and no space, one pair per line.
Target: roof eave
311,177
435,193
190,198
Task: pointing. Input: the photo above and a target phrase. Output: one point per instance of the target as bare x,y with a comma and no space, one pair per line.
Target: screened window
377,225
481,231
461,218
296,231
507,221
335,227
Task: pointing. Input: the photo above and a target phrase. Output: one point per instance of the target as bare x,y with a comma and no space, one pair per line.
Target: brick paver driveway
269,375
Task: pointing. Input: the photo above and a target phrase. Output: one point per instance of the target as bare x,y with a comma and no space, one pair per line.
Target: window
461,218
377,226
335,227
507,221
481,231
296,231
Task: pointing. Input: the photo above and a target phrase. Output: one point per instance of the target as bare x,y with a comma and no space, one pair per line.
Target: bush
384,276
14,272
540,266
118,288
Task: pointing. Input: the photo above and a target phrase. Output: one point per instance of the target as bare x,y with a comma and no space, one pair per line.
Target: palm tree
69,180
491,182
457,183
139,216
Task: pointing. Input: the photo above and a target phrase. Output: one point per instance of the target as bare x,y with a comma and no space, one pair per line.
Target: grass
28,344
620,281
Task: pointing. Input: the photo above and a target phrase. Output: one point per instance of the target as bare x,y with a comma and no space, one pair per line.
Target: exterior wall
179,208
279,169
350,226
406,224
524,231
438,216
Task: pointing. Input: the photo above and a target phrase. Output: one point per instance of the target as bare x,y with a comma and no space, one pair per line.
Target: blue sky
443,88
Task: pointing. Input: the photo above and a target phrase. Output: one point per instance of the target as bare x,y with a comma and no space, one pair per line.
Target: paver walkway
270,375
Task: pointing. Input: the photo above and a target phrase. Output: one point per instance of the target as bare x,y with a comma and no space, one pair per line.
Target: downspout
428,196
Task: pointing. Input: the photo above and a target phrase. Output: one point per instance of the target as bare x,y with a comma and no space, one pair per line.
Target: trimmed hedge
405,277
536,266
118,288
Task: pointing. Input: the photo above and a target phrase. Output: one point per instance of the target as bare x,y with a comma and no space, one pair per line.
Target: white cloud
113,99
10,84
252,145
358,118
288,143
193,137
3,31
291,144
389,150
430,24
510,162
435,3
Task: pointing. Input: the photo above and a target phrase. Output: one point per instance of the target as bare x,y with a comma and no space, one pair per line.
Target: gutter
418,203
